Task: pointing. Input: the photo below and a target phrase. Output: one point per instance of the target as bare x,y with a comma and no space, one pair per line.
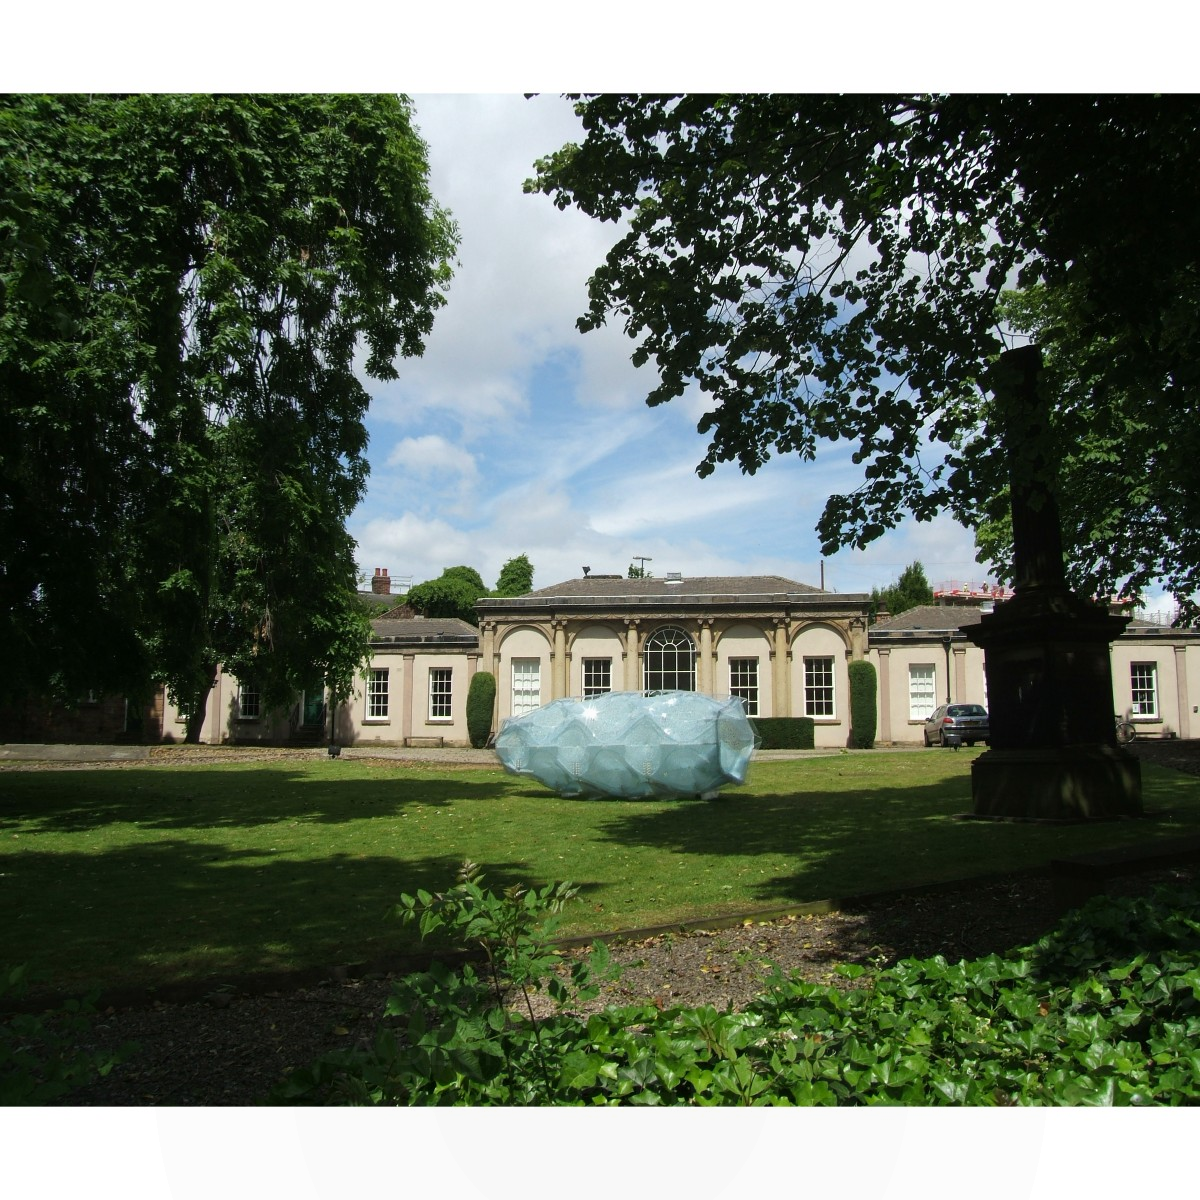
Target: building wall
1176,674
1175,658
403,710
961,679
812,648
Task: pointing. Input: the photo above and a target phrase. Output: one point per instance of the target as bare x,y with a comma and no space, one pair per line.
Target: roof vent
674,577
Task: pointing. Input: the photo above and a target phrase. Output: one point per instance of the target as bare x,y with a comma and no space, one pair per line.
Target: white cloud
432,455
538,437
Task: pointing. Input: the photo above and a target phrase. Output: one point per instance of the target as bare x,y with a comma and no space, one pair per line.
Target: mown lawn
149,875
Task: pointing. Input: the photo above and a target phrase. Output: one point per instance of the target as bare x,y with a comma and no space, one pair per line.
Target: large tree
190,287
826,267
911,590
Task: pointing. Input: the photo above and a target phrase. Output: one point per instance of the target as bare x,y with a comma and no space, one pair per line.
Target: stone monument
1054,754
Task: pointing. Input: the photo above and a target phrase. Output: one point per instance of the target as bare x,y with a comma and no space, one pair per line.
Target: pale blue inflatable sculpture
631,744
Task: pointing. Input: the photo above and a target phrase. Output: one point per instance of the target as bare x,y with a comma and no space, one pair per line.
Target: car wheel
942,738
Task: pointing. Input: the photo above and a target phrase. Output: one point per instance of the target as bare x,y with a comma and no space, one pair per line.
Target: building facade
782,646
413,692
923,658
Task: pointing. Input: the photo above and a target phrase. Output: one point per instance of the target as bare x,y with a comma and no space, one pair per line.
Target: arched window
669,662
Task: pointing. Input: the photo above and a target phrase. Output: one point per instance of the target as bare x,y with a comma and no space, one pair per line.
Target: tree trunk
199,708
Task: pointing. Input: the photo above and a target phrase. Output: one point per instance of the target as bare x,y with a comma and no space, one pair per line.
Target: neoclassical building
782,646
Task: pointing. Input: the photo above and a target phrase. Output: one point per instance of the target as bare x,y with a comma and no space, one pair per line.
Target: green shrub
481,701
41,1059
1095,1013
785,733
862,704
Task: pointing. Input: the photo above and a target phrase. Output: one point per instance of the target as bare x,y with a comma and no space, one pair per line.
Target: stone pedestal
1053,749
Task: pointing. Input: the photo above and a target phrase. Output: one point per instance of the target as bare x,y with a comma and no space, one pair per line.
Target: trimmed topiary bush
785,733
481,701
862,704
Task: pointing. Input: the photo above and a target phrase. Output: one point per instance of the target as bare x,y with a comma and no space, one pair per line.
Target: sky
517,434
514,433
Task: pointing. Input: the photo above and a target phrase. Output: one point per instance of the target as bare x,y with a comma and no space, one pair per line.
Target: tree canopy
452,594
826,267
456,590
516,577
909,591
189,287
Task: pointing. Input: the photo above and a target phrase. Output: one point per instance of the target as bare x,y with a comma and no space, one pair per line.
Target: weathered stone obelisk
1053,752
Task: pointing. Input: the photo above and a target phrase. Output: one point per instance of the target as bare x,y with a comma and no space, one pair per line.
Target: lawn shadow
156,914
839,844
181,799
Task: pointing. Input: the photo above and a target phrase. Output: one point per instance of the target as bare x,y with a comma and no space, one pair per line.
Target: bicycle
1126,732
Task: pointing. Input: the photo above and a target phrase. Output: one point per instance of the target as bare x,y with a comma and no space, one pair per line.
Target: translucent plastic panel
630,744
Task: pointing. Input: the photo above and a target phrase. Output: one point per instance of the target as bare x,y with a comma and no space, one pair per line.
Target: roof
929,618
943,618
379,599
715,592
412,631
596,586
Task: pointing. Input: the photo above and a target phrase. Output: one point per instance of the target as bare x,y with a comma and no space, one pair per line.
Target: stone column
633,666
558,666
488,646
781,676
704,666
1181,692
406,697
885,695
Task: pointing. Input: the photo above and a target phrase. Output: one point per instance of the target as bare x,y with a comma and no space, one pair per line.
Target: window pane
669,662
921,687
597,676
818,687
526,685
439,693
1143,682
377,694
743,682
249,703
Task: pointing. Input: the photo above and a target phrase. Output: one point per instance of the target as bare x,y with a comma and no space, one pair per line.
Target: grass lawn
149,875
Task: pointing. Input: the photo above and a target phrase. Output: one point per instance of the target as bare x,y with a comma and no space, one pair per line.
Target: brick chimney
381,585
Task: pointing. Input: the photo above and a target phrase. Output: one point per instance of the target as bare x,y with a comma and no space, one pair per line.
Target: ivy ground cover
150,875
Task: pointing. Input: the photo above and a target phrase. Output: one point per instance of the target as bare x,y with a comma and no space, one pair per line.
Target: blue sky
517,434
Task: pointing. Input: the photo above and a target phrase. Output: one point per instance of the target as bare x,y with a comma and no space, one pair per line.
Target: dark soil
230,1048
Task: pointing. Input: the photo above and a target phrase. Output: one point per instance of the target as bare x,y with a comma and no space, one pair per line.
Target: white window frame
819,688
669,661
1143,690
378,694
526,685
441,694
249,702
597,676
743,682
922,690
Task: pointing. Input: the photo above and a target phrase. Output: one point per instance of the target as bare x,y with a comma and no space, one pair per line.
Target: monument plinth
1053,754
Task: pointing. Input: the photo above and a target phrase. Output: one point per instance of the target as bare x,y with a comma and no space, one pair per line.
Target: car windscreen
967,710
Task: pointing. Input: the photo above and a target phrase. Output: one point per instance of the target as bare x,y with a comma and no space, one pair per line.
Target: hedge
862,704
786,733
481,701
